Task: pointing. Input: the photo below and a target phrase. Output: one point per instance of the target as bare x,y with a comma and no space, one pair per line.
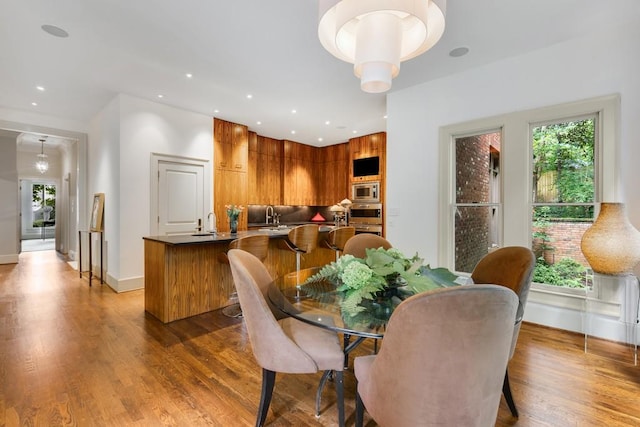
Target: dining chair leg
506,390
359,410
338,379
268,381
323,381
345,343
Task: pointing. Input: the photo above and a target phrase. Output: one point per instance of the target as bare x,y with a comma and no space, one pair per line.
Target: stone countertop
209,238
289,224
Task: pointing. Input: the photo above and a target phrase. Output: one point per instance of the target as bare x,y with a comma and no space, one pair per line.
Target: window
477,198
527,194
43,205
563,196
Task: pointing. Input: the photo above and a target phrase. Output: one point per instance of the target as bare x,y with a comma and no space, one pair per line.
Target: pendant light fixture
42,164
376,35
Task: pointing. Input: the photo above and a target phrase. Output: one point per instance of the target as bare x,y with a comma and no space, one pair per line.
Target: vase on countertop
233,225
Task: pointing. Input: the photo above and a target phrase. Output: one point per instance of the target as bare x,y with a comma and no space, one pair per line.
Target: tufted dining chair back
442,360
511,267
358,244
287,345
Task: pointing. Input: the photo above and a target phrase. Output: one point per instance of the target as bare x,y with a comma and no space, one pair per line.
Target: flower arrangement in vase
233,212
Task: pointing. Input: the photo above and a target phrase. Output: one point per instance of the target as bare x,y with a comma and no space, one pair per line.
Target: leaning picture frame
97,212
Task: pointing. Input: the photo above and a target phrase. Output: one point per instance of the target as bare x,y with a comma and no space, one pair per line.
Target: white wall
9,206
606,63
575,70
123,136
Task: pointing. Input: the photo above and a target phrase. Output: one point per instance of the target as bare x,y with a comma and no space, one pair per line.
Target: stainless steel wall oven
366,217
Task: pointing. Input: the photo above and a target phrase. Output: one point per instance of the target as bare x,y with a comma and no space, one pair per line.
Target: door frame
156,158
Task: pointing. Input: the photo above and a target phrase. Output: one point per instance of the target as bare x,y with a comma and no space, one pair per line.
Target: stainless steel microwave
366,192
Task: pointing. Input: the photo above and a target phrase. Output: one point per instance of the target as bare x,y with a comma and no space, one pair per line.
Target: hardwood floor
71,354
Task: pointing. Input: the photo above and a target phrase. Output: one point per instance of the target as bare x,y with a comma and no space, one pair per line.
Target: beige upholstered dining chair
257,245
358,244
287,345
337,238
434,368
512,267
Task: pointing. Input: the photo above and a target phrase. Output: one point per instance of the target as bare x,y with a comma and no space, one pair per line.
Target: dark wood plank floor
76,355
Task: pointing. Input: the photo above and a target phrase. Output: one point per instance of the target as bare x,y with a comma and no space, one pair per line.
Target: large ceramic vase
612,244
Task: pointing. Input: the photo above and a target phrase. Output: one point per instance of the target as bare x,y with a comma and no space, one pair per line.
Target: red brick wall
565,240
472,185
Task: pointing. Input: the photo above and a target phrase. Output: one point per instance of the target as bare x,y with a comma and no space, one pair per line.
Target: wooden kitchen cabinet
230,188
333,174
368,146
265,170
230,146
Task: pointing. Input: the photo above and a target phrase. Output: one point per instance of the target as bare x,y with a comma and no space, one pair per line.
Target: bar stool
258,245
302,239
337,238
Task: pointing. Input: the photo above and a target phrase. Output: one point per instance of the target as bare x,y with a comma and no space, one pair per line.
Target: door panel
180,197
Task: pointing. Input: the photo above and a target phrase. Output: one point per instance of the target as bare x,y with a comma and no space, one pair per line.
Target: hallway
34,245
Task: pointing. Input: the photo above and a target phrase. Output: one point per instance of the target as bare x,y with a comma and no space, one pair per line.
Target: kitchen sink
279,229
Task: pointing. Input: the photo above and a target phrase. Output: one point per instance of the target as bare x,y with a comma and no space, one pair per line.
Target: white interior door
180,197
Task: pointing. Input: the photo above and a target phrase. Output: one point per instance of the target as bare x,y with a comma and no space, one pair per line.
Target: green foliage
567,149
362,279
566,272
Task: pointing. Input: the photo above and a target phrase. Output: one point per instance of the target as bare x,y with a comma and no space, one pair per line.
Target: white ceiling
268,49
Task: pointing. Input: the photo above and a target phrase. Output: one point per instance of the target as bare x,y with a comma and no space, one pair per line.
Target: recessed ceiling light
189,75
384,117
459,51
160,96
258,122
354,131
216,111
35,104
320,139
249,96
327,122
293,132
54,31
293,111
40,88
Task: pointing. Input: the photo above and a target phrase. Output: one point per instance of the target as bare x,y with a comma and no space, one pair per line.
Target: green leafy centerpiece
384,274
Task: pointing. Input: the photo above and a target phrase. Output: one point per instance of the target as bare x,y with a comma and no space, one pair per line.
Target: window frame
516,173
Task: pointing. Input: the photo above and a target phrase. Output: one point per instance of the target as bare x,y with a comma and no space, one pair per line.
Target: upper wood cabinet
300,174
230,146
265,170
374,145
230,188
333,174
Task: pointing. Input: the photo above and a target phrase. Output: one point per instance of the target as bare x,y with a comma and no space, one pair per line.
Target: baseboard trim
13,259
125,285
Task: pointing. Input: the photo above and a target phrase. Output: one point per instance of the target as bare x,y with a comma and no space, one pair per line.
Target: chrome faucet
212,224
267,216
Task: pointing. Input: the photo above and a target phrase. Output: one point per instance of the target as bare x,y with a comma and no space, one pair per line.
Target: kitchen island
185,275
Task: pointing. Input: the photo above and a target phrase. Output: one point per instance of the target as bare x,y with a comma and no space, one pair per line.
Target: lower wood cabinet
183,280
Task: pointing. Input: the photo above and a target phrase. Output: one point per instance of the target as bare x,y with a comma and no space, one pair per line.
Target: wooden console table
89,234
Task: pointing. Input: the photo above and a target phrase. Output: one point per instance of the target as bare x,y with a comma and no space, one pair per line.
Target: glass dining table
319,304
